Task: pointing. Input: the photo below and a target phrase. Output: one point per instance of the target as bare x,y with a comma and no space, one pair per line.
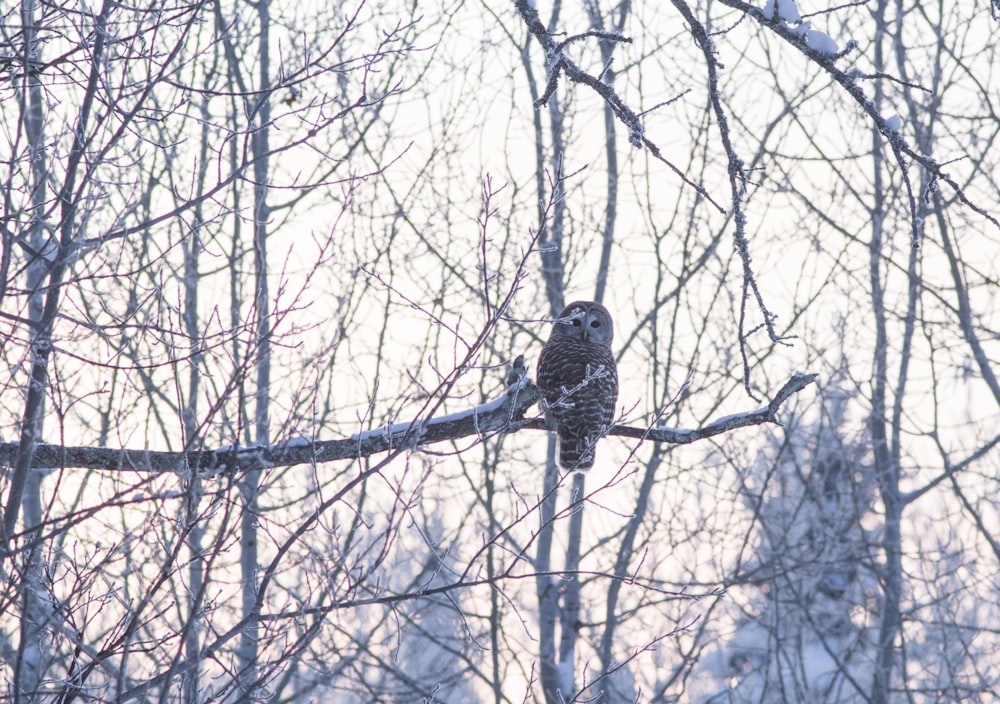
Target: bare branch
558,61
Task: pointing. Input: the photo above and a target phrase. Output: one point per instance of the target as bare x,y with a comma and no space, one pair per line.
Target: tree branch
557,61
503,415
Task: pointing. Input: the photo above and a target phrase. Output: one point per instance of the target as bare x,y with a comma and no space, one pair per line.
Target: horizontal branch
501,416
765,414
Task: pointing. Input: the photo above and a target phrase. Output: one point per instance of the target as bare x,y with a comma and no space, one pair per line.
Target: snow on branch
824,51
503,415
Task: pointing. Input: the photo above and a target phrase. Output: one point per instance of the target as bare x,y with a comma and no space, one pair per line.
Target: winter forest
274,280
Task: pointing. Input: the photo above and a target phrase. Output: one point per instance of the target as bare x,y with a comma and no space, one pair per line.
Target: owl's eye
595,324
576,322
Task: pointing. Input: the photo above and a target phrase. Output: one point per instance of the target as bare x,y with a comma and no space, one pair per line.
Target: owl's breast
566,363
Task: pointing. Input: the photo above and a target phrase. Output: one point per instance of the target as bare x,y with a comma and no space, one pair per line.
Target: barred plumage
576,373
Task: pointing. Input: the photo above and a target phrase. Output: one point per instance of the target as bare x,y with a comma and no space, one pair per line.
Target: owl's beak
585,335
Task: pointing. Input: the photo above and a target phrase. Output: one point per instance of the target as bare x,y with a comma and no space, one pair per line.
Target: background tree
134,161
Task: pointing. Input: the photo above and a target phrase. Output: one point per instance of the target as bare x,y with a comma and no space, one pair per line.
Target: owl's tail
576,453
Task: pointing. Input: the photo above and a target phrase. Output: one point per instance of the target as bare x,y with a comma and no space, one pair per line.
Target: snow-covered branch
826,52
505,414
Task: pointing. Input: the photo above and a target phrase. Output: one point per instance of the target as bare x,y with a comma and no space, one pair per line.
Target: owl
577,376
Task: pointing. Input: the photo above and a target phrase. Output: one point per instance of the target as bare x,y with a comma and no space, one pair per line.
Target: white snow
788,11
384,431
482,409
894,123
300,441
565,670
785,9
817,41
479,410
735,416
50,251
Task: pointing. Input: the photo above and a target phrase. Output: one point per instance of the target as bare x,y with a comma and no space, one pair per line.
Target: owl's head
587,321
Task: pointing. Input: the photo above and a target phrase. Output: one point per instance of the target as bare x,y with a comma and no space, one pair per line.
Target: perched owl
577,375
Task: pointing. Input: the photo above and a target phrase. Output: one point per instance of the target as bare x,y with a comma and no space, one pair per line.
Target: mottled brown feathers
576,373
